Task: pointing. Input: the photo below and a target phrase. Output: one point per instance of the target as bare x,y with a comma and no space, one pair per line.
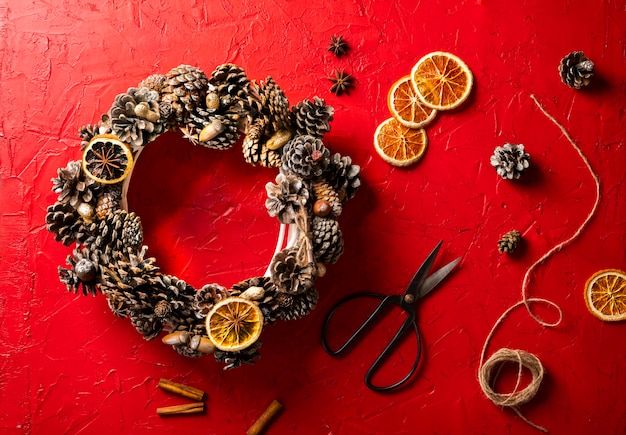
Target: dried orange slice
605,294
399,145
442,80
107,159
234,323
406,107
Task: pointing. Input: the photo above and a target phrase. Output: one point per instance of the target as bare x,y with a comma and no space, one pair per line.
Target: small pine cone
289,275
305,156
185,89
135,117
292,307
108,201
231,84
326,200
312,117
576,70
84,273
73,186
148,325
235,359
155,82
327,240
509,241
127,279
286,198
255,150
162,309
65,223
344,176
510,160
206,297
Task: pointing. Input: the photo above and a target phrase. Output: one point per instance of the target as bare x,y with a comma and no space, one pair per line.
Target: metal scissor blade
433,280
418,279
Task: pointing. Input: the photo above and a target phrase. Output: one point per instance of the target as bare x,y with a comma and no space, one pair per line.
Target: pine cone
117,231
509,241
327,202
236,359
286,198
84,273
184,90
510,160
88,131
576,70
64,221
255,149
344,176
312,117
162,309
135,118
294,306
289,275
147,324
327,240
73,186
305,156
206,297
155,82
275,106
231,84
214,131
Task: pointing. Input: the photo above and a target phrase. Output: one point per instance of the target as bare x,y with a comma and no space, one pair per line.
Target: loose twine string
489,370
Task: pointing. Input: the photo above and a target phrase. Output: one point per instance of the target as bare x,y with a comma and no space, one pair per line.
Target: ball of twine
489,372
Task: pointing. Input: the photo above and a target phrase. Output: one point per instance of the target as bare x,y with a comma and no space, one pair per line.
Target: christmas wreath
109,257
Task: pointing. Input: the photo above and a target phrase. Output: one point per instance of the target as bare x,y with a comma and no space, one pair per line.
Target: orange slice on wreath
107,159
442,81
399,145
406,107
605,294
234,324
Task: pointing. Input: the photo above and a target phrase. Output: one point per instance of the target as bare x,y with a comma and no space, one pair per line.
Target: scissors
419,287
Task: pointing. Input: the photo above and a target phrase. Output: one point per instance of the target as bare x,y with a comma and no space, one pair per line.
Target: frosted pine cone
576,70
286,198
312,117
305,156
509,241
135,118
510,160
73,187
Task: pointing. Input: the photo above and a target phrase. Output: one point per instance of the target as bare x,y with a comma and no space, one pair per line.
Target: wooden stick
187,408
266,418
182,390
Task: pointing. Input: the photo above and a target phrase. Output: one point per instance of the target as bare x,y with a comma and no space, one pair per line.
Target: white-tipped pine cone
305,156
510,160
576,70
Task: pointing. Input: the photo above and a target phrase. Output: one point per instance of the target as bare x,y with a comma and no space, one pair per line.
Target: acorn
210,131
85,211
278,140
142,110
321,208
85,270
212,101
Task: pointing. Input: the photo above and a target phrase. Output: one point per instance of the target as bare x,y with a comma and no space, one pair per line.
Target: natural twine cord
489,370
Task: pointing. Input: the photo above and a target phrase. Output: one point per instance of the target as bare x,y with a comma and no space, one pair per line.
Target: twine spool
486,376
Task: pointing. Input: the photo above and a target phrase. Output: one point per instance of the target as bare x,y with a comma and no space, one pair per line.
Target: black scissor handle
385,301
408,323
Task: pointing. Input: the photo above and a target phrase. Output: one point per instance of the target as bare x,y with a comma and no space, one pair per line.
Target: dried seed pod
142,110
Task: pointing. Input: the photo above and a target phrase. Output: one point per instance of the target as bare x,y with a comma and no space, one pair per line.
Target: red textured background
67,365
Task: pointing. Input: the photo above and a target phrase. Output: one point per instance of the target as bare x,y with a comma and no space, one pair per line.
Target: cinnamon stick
182,390
187,408
266,418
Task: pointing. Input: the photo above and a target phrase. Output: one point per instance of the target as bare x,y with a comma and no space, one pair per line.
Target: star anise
338,46
342,82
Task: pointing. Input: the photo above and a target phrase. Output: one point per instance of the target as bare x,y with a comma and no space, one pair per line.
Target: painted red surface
67,365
